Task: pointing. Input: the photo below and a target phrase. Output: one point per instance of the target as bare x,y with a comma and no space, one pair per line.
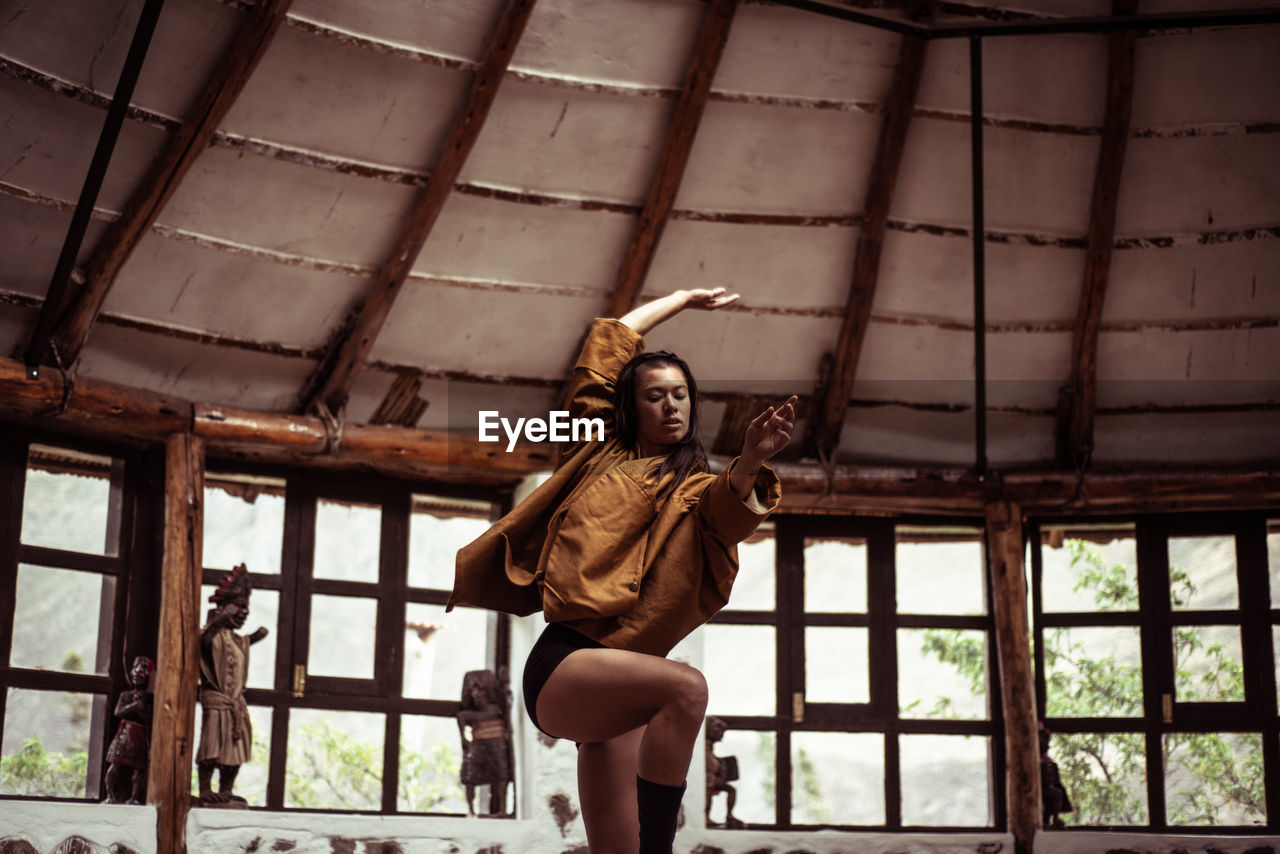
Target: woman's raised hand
709,300
769,432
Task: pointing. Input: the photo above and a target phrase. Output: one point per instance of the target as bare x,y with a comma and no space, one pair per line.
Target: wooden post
178,655
1022,750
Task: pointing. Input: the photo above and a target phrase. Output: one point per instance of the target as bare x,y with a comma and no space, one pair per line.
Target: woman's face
662,407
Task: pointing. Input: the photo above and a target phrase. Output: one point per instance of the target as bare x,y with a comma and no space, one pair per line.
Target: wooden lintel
1078,399
1017,684
332,381
256,32
685,119
898,108
178,646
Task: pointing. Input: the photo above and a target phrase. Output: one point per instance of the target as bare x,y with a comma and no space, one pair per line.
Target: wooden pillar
1022,750
178,653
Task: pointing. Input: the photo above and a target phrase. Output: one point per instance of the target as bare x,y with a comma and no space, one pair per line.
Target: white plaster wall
1085,842
115,828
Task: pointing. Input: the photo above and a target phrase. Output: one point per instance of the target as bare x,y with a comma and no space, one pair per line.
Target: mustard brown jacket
603,545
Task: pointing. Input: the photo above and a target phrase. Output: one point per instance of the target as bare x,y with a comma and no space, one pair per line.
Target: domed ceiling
410,210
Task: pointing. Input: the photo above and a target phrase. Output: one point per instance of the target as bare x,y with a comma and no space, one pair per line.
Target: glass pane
837,778
264,610
752,775
334,760
1093,672
1105,776
740,666
1214,778
1275,657
940,571
343,630
438,527
440,648
46,743
836,665
1089,568
57,620
243,523
251,779
1208,662
348,538
1273,559
67,502
1202,573
942,673
754,588
430,763
835,575
946,780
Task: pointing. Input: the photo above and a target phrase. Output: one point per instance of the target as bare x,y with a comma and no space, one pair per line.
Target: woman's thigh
601,694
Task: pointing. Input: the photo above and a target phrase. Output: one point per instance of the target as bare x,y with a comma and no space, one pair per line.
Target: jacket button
634,586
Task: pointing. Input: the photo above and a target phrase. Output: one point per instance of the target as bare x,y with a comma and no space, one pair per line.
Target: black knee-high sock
659,808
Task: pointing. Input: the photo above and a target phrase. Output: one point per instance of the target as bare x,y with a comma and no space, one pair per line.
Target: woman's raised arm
645,317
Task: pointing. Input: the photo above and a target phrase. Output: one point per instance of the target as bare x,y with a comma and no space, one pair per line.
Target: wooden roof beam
712,37
332,381
256,32
1077,401
823,435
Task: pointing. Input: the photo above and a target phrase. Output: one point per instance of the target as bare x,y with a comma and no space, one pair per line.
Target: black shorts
555,643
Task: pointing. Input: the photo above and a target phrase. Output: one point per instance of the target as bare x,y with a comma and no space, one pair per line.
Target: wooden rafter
402,405
1078,398
337,371
675,155
824,433
256,32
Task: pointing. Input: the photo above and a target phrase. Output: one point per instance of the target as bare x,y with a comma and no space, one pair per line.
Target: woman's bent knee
690,693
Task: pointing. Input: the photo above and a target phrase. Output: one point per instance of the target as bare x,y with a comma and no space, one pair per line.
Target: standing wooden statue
129,752
226,737
721,771
486,755
1052,790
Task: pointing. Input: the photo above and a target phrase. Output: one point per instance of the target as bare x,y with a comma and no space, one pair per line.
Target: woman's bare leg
597,695
607,793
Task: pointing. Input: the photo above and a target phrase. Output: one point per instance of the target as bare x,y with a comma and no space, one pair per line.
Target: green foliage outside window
35,771
1211,778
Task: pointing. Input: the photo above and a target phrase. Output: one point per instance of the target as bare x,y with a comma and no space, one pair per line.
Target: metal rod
92,185
845,13
979,256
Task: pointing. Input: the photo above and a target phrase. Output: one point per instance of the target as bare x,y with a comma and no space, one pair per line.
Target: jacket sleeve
609,345
725,520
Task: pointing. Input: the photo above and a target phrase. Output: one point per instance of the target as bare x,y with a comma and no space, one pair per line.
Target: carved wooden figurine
720,771
129,752
1052,792
226,738
486,754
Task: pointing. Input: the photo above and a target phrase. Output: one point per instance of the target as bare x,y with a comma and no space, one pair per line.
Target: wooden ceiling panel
30,240
1035,183
794,160
394,111
894,435
455,28
567,142
1186,439
774,267
493,243
611,41
1186,282
1049,82
1196,185
226,293
1226,79
497,334
313,213
1248,355
48,142
193,370
779,353
778,52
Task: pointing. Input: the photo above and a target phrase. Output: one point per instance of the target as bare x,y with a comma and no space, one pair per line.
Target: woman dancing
630,545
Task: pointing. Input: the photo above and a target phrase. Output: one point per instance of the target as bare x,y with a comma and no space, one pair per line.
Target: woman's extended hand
709,300
770,431
644,317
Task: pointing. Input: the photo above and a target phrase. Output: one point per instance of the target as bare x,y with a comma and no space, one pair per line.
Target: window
1155,642
353,692
877,637
65,553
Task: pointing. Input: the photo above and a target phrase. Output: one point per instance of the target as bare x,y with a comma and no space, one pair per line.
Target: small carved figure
721,770
1052,792
486,754
129,751
226,737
